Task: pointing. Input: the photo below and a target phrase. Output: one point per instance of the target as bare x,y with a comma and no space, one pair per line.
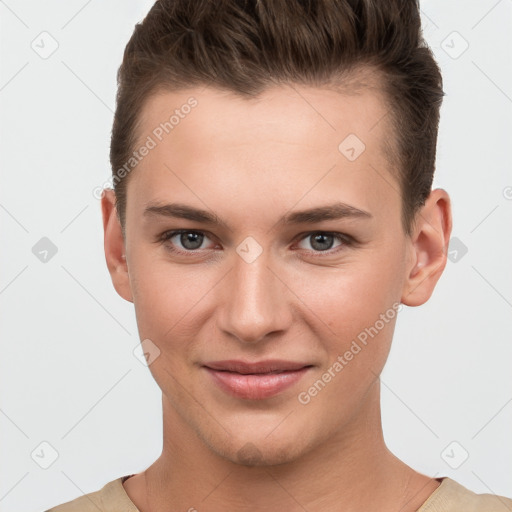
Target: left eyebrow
331,212
313,215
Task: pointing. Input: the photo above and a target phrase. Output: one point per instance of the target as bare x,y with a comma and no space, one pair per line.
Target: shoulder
110,498
451,496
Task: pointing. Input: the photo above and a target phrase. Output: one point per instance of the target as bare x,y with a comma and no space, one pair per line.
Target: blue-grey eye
320,241
191,240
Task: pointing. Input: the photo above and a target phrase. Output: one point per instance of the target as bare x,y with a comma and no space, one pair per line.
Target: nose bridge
254,304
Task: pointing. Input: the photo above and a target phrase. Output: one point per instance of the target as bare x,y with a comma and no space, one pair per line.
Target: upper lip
267,366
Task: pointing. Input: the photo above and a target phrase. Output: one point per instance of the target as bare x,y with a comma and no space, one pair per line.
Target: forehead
288,139
312,117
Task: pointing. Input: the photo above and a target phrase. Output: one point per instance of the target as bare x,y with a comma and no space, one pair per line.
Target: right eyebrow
183,211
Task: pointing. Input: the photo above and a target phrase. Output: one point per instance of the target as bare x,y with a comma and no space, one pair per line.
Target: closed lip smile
255,380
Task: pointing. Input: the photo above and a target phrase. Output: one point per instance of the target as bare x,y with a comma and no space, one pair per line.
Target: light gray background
68,374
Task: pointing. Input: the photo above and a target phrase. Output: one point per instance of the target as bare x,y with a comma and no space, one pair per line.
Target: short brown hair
246,46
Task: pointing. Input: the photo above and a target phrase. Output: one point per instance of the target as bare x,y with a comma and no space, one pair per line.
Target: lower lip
255,386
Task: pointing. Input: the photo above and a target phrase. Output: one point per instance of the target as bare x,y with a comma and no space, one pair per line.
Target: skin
250,162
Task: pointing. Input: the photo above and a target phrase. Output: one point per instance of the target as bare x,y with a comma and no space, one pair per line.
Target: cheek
165,300
360,309
166,296
350,299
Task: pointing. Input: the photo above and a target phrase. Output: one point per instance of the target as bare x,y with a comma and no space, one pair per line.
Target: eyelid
167,235
346,241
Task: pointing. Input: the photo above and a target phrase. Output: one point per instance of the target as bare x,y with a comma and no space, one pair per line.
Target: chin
261,455
253,451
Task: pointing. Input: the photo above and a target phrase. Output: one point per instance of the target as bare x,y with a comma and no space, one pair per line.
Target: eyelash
346,241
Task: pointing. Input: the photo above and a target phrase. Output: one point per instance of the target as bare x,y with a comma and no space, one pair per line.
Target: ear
429,248
115,253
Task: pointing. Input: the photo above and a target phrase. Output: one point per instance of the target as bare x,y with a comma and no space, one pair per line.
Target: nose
255,301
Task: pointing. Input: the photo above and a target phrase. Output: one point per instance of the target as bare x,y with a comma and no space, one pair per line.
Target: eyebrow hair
330,212
321,213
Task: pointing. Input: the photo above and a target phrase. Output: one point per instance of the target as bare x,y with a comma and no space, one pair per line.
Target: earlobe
429,248
114,243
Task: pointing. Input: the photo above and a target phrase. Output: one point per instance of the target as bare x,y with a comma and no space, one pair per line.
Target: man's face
254,287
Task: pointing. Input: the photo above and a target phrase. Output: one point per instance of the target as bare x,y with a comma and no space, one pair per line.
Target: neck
352,471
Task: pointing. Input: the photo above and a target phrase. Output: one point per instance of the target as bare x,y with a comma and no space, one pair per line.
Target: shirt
450,496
